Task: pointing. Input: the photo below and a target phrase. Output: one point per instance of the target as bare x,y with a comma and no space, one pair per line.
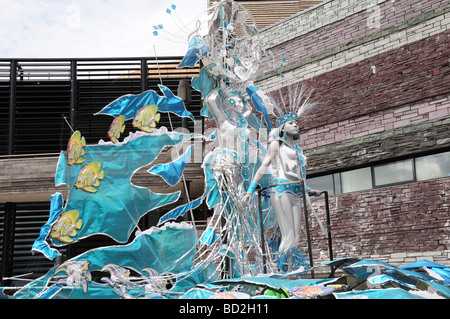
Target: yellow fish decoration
146,118
89,176
66,226
75,149
117,127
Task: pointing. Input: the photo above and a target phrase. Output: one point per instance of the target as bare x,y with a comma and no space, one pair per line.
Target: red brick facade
351,28
412,73
405,218
384,93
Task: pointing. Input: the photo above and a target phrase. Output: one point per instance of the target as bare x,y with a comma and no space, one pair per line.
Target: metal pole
73,94
307,228
144,74
12,105
330,244
327,209
8,242
261,225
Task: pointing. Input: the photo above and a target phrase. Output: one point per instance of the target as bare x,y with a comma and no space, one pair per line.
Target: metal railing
41,100
305,212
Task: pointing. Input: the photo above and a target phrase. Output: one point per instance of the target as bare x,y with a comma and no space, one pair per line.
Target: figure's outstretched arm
272,151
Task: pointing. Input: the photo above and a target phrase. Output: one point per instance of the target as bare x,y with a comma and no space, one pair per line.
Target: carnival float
254,182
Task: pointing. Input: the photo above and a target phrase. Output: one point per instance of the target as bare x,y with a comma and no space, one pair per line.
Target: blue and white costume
288,162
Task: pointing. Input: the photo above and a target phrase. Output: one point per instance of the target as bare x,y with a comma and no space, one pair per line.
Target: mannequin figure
230,112
288,163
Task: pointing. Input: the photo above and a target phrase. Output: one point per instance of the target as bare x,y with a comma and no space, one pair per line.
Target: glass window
356,180
337,183
392,173
321,183
433,166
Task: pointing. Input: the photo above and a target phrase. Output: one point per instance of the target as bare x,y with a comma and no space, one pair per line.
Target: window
329,183
433,166
322,183
356,180
392,173
404,171
337,183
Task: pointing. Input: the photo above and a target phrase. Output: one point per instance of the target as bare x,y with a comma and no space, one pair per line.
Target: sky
97,28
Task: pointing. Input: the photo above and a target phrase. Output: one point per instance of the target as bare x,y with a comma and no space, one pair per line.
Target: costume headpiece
293,104
286,117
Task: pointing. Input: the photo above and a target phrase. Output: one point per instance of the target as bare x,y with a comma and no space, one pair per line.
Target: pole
261,225
327,209
330,244
73,95
307,228
12,105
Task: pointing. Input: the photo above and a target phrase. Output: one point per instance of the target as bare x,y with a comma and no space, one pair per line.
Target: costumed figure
286,161
230,112
230,167
230,56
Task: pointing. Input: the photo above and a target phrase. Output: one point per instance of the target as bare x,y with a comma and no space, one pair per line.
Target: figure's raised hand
247,199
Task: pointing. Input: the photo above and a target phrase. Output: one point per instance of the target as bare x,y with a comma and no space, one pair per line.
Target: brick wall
344,22
407,75
412,140
417,28
376,122
391,222
384,92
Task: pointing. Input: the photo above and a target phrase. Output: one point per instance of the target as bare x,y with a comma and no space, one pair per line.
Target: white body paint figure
288,162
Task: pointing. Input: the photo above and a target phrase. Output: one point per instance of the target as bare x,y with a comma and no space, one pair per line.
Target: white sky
96,28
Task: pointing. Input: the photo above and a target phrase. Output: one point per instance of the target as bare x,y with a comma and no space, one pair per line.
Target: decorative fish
146,118
117,127
66,226
89,176
116,271
75,149
78,273
118,276
154,279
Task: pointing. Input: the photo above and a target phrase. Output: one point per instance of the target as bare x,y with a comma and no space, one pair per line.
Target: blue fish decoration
40,244
130,104
258,103
172,172
180,211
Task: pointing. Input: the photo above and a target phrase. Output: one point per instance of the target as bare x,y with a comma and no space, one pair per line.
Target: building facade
378,142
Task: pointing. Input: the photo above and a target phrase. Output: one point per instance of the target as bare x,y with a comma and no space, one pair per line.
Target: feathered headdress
293,103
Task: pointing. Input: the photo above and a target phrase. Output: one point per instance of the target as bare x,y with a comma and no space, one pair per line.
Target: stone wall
374,41
390,144
397,224
381,73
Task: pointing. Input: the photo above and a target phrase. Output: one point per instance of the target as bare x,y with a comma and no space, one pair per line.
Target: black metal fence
40,98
